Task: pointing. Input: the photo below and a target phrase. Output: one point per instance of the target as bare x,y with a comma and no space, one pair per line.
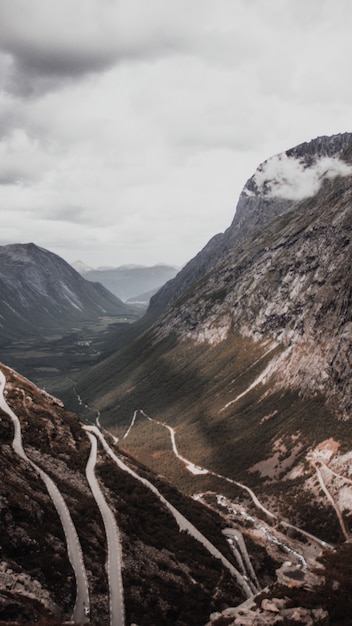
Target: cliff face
270,192
282,271
255,352
290,285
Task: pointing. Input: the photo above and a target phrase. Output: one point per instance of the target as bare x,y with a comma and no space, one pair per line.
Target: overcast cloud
129,127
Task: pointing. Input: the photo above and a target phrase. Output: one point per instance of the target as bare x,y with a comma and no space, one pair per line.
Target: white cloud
288,177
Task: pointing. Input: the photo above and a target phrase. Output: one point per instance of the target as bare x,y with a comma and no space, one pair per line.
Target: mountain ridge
253,211
128,281
41,292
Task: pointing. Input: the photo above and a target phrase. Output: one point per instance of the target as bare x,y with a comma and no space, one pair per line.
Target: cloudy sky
129,127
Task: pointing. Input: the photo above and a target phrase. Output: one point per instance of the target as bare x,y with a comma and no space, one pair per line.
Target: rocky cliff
282,271
270,192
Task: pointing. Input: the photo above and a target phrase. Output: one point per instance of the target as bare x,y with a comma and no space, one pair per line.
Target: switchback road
182,522
74,550
117,611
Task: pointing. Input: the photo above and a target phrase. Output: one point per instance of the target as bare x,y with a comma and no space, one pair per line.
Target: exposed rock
269,605
297,576
270,615
13,583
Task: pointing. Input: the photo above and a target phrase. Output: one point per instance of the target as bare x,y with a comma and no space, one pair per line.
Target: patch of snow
71,297
262,378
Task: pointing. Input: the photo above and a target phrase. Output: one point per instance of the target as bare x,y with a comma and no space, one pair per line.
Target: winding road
331,500
195,469
234,535
114,562
82,606
183,523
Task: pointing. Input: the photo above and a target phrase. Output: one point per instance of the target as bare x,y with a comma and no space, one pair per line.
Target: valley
200,454
53,361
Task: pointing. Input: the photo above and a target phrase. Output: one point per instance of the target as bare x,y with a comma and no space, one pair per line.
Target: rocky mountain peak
299,172
274,188
289,177
282,269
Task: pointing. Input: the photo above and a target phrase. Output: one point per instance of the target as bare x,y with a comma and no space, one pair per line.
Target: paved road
117,609
74,549
235,535
182,522
256,501
332,501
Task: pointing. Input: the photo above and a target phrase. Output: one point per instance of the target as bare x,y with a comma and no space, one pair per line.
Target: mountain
40,292
281,274
248,361
128,281
81,267
142,298
270,192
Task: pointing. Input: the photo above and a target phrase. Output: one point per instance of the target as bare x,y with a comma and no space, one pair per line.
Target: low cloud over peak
288,177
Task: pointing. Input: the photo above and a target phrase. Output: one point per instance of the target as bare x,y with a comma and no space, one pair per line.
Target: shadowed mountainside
40,292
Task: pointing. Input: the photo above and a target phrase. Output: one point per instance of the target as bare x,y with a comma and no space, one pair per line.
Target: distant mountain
128,281
40,292
81,267
142,298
